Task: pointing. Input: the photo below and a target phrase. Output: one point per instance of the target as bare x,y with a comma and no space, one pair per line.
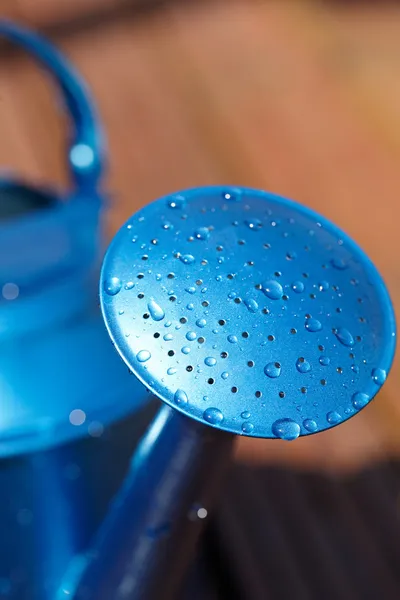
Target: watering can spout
144,543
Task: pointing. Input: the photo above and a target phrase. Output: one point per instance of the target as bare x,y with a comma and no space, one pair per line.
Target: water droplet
272,370
253,224
168,324
112,286
324,361
303,366
191,289
333,417
185,350
313,325
190,306
251,305
272,289
168,337
176,202
232,339
359,400
191,335
202,233
167,225
143,355
213,416
187,259
210,361
129,285
355,368
180,397
286,429
323,286
344,336
291,256
310,425
339,263
171,371
201,323
247,427
378,376
298,287
245,414
155,310
225,375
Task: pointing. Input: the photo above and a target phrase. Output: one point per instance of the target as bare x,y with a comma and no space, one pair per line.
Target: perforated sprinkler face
248,312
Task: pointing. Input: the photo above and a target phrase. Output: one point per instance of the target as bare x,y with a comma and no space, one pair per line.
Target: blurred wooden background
300,98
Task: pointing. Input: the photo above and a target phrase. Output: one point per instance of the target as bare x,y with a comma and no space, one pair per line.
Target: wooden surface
300,98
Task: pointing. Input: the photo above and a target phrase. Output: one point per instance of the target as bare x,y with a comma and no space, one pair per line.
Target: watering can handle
86,153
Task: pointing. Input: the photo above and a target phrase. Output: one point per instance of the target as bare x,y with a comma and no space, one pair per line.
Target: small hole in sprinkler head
303,390
221,322
140,276
293,331
285,297
171,353
183,320
230,276
281,394
323,381
265,311
271,338
321,348
199,282
234,389
189,368
140,296
245,334
145,257
201,340
205,303
146,316
258,286
157,335
250,363
258,394
210,381
172,298
224,354
170,275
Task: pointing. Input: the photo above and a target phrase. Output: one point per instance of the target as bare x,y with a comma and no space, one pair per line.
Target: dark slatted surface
281,534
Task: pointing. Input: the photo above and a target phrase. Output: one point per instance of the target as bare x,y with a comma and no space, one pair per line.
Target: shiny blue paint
271,289
69,407
147,539
246,313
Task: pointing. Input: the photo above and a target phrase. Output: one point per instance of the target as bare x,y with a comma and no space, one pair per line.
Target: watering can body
70,411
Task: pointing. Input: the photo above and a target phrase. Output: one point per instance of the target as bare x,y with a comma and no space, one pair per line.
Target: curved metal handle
86,152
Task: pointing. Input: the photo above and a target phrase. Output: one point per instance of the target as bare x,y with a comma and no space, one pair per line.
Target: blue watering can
70,412
245,313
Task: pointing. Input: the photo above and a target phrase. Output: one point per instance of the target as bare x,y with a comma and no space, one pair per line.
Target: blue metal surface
147,540
248,312
86,152
71,413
